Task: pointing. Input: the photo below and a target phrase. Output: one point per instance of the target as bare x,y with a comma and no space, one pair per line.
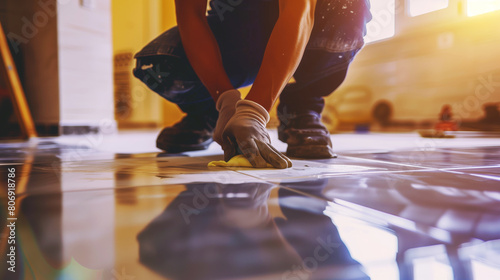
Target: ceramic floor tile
124,171
438,158
306,170
452,202
384,210
491,172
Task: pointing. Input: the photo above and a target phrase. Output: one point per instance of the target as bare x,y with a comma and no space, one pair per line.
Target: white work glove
226,105
246,133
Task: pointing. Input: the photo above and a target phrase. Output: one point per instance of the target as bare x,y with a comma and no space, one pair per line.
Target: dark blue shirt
339,25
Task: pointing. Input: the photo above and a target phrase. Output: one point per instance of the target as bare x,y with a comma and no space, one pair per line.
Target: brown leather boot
306,136
193,133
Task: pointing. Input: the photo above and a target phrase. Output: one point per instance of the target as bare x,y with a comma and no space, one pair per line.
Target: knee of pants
155,73
166,78
176,91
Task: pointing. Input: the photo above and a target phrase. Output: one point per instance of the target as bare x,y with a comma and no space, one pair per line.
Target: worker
200,64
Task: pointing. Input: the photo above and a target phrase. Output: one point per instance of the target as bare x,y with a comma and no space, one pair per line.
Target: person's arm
284,50
201,47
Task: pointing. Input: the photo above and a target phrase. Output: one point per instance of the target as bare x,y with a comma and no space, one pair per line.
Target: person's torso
339,25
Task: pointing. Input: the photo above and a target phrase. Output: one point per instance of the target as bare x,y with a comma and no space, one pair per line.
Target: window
420,7
477,7
383,24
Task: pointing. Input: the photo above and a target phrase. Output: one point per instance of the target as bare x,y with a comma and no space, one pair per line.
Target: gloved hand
226,105
246,130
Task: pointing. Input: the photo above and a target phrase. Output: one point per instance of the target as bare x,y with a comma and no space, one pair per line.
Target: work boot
193,133
306,136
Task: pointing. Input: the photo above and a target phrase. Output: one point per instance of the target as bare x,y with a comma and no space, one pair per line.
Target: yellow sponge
237,161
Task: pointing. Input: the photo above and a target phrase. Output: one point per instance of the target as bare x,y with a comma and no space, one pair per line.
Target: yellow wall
136,23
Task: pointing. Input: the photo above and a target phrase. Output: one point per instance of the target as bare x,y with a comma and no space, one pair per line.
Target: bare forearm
203,52
284,51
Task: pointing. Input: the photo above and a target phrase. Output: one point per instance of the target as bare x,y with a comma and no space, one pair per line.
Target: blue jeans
242,35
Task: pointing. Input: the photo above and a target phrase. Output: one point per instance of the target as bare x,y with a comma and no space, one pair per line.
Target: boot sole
311,152
174,149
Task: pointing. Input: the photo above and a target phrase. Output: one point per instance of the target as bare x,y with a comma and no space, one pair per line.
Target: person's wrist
254,110
228,98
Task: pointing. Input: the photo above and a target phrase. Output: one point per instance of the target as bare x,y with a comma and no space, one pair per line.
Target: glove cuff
254,109
228,97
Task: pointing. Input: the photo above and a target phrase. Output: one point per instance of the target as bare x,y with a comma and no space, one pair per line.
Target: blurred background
424,61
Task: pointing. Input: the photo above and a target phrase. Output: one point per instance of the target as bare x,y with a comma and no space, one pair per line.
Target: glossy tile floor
391,206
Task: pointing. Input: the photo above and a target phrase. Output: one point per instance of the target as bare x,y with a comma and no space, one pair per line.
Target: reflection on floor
391,206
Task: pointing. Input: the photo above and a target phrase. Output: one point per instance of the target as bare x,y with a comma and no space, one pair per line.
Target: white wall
85,62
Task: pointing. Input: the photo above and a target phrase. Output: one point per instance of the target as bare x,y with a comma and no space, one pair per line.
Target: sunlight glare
478,7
